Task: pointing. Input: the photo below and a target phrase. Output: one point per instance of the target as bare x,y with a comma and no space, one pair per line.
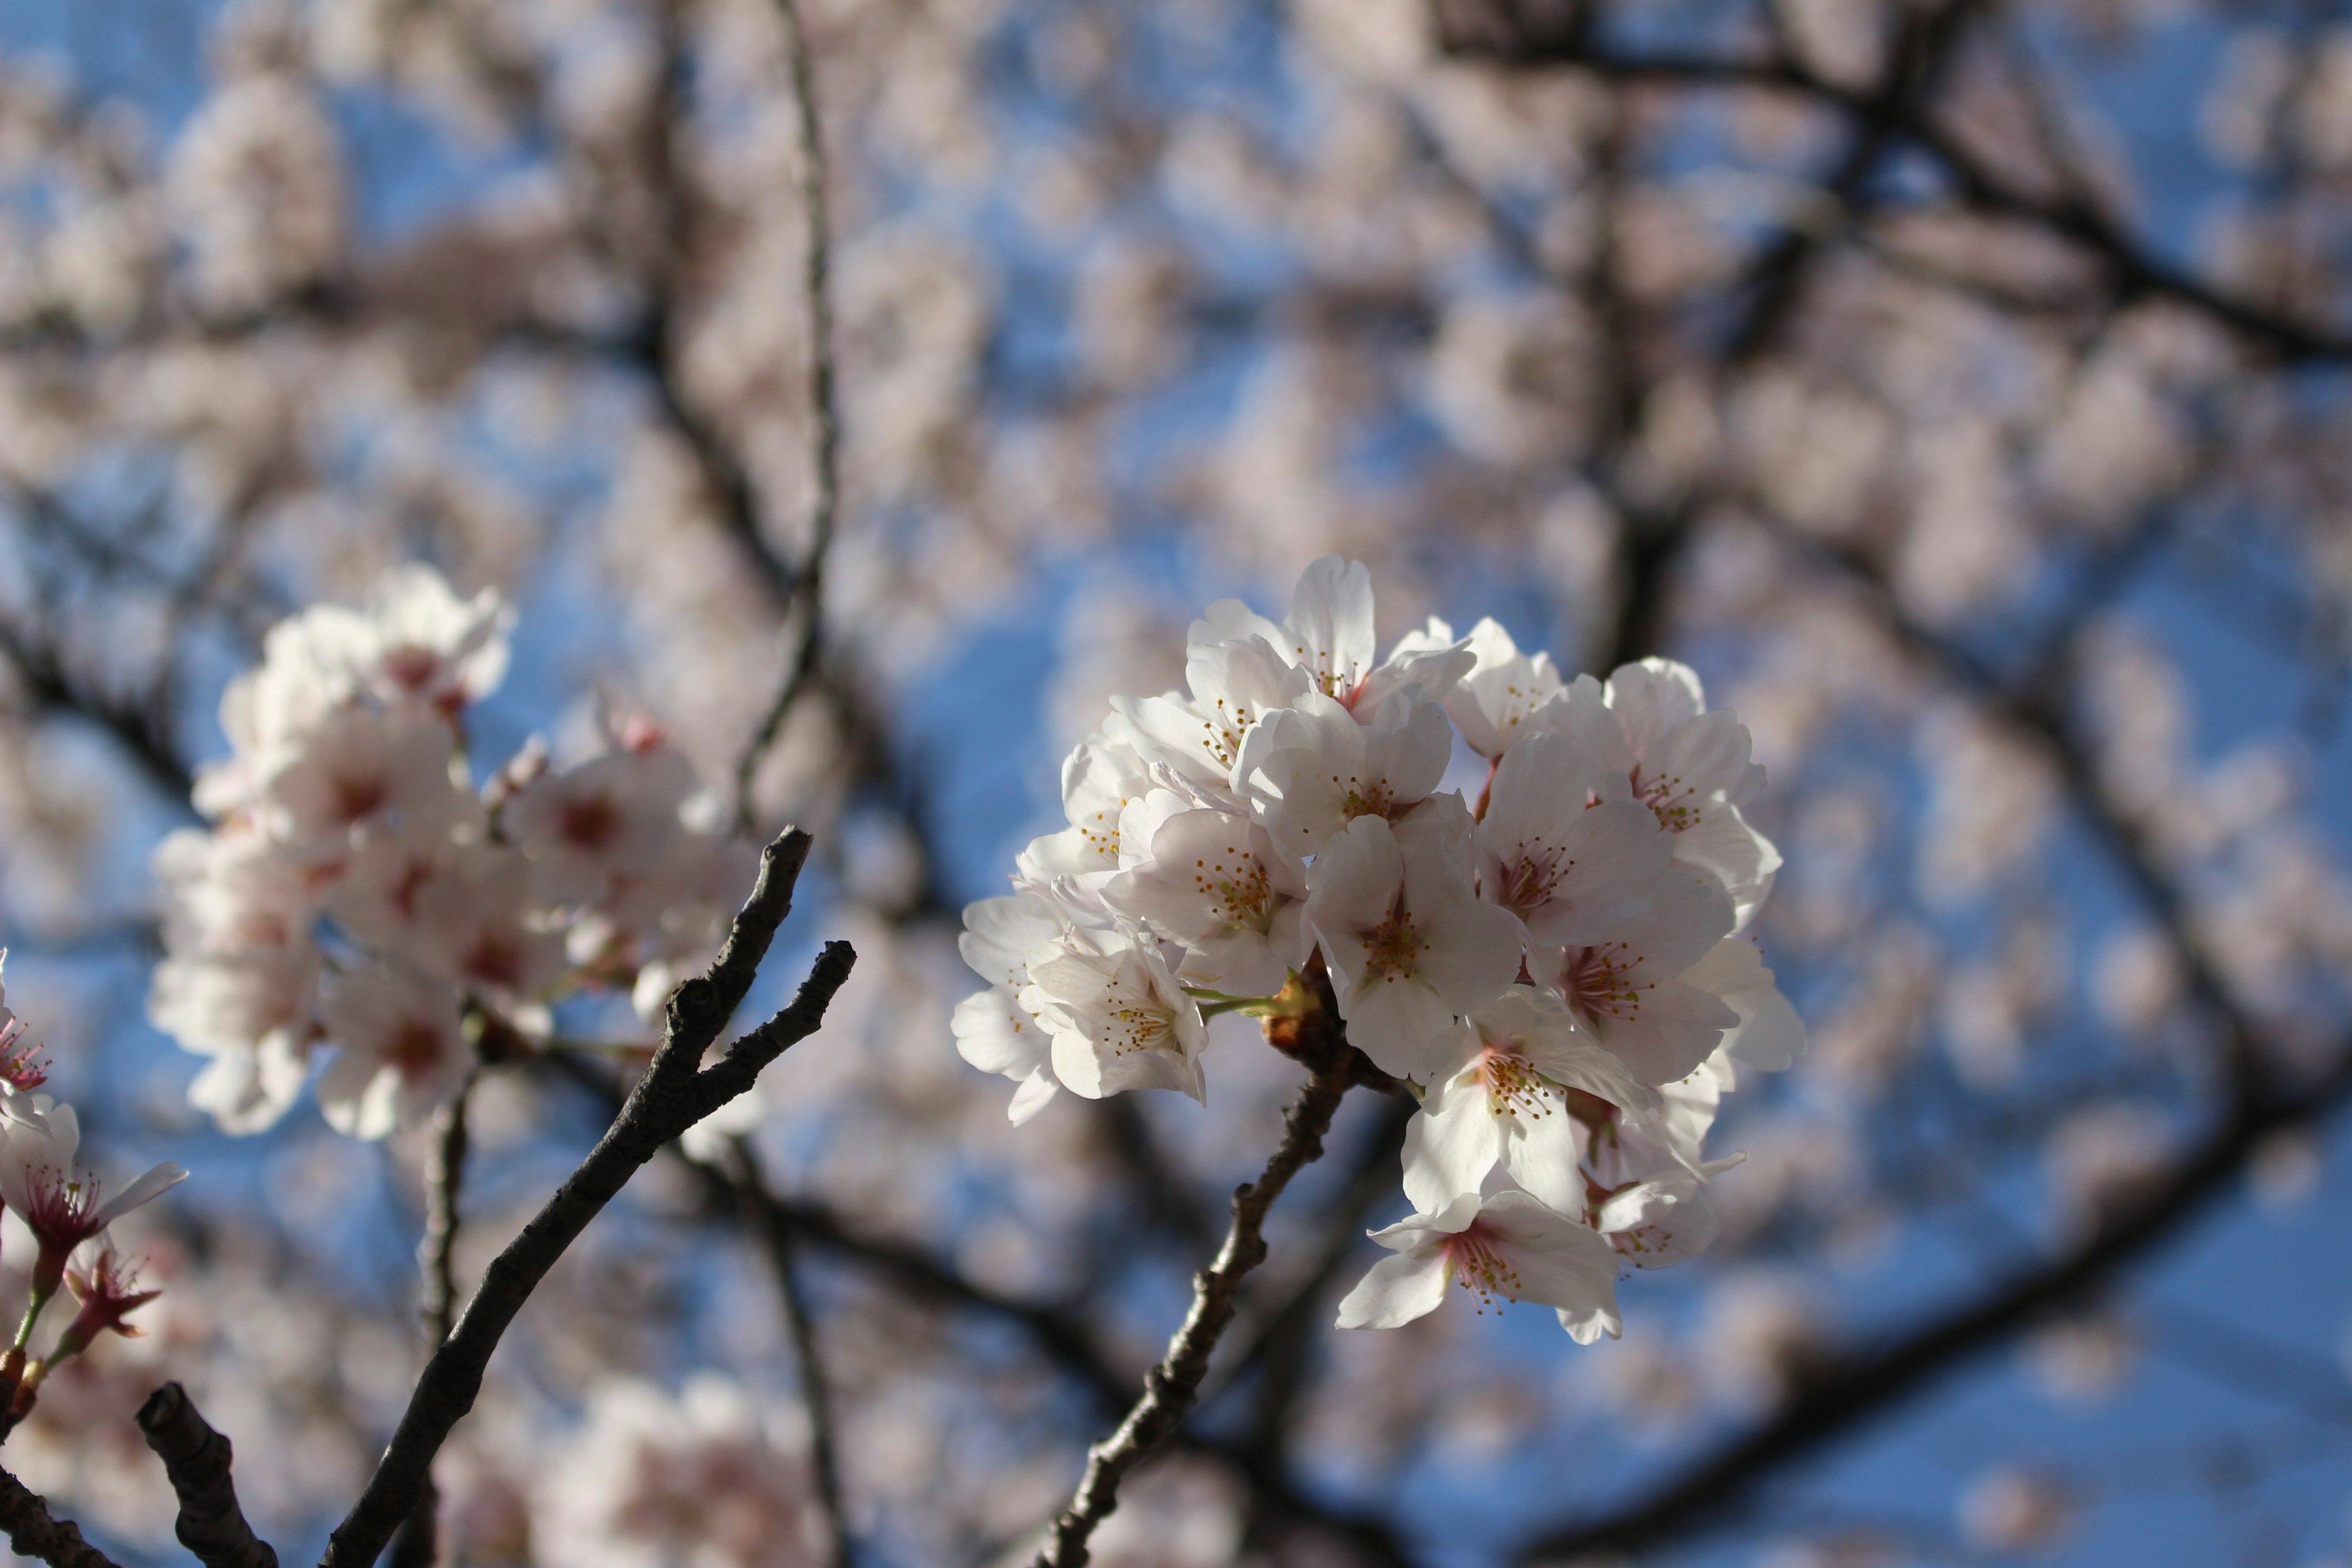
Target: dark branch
1169,1388
197,1459
445,1178
672,1096
2136,271
774,1226
1710,1493
824,410
33,1532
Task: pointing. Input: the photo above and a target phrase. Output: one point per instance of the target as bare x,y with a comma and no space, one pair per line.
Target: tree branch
445,1176
2136,271
32,1531
1709,1494
1169,1388
196,1460
774,1228
672,1096
824,410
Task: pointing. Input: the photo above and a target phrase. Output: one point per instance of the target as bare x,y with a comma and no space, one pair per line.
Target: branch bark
774,1228
672,1096
34,1532
2135,269
1169,1388
416,1545
196,1460
807,598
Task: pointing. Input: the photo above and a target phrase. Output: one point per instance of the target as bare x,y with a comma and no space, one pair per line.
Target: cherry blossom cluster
1557,971
49,1185
360,889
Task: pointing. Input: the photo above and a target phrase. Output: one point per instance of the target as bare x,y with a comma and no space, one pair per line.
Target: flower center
410,667
496,959
1513,1085
1373,799
1599,981
1240,894
1673,802
1224,730
415,1048
359,796
1392,946
1529,881
1480,1267
591,822
19,1068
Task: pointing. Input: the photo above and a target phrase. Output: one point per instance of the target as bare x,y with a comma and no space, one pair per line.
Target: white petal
1395,1292
1448,1153
151,1185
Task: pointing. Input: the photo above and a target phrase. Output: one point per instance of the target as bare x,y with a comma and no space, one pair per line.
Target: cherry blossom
1409,944
1313,769
1690,766
1572,869
1213,882
400,1051
1556,977
1503,689
22,1070
360,769
1508,1246
1234,684
1630,990
992,1030
45,1181
1117,1018
1502,1098
614,816
105,1289
1099,779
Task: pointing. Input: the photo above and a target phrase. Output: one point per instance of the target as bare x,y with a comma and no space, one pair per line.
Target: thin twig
34,1532
775,1228
825,409
196,1460
1169,1388
445,1179
2135,269
671,1097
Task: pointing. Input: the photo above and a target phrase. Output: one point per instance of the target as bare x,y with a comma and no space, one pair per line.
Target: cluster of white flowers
48,1184
1556,973
358,886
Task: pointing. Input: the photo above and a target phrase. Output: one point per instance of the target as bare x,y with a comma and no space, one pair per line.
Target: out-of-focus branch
824,410
1060,1335
196,1460
1870,1382
34,1532
445,1181
1280,1343
673,1095
54,689
774,1226
2135,269
1169,1388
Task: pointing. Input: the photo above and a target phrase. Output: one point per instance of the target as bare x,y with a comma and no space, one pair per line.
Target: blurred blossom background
1959,386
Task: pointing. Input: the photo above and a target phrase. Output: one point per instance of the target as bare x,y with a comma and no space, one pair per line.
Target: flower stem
1171,1387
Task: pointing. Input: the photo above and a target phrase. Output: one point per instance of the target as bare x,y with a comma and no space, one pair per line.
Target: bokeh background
1960,385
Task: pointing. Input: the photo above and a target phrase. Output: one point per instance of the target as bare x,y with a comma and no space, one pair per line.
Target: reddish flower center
361,797
411,666
590,822
1479,1265
414,1050
1600,981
